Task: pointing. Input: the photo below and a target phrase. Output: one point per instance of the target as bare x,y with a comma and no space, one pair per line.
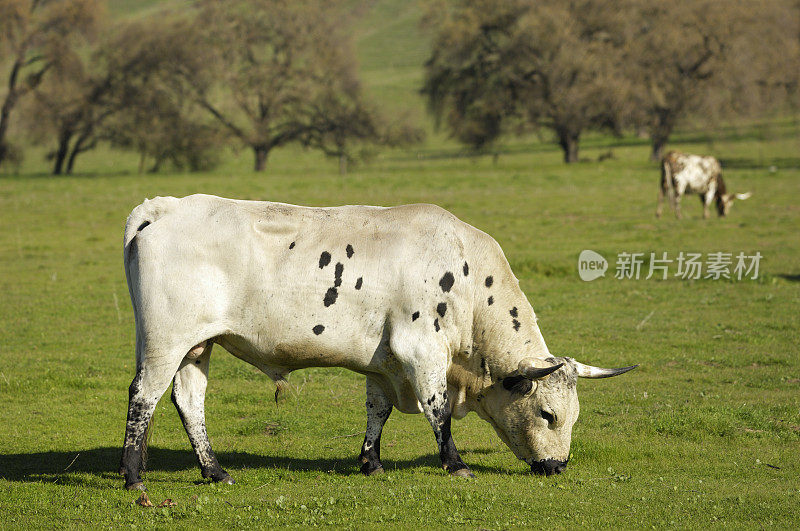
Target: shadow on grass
790,278
58,467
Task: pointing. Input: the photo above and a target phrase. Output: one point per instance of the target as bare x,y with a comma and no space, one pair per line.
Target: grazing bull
422,304
682,173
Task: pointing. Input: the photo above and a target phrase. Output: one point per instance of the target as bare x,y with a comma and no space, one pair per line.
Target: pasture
704,433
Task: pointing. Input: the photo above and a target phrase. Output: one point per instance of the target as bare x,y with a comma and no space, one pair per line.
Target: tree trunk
659,136
61,153
569,145
261,153
5,110
79,147
342,164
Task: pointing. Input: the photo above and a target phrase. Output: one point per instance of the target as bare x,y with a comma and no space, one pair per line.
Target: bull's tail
145,214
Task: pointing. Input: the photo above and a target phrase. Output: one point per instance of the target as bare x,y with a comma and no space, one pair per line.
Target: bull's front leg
706,199
379,407
188,395
431,390
676,204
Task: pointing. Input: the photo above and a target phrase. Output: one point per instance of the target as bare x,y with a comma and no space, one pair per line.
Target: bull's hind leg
152,378
378,410
662,192
188,395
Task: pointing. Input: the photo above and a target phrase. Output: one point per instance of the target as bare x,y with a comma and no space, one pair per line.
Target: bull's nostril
548,467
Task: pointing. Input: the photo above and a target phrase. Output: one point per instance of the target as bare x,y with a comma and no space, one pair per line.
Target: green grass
685,440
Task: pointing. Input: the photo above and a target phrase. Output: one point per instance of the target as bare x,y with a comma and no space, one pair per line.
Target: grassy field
706,432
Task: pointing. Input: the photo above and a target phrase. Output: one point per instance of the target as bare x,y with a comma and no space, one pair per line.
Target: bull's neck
504,332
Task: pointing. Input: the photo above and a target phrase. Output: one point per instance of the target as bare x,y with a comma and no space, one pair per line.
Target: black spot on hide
324,259
513,311
318,329
441,309
483,364
466,269
330,297
197,362
358,282
143,225
489,281
436,324
446,282
349,250
490,301
516,324
291,245
517,384
338,275
414,316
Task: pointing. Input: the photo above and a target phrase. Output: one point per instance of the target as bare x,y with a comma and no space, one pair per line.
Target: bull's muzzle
547,467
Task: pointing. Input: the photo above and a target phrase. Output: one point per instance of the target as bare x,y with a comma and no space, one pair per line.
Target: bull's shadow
57,467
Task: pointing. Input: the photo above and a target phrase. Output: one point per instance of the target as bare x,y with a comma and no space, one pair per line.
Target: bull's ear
518,384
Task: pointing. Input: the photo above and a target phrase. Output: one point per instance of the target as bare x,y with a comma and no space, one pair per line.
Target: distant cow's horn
527,368
743,196
587,371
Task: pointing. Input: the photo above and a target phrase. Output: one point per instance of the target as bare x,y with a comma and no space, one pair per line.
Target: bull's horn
527,368
587,371
742,197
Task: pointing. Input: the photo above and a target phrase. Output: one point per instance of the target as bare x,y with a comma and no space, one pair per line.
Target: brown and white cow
422,304
682,173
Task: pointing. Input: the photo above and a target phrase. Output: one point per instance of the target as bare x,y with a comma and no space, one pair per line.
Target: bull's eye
549,417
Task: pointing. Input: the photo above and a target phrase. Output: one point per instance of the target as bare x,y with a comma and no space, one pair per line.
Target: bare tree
548,64
33,36
70,105
705,58
265,69
151,115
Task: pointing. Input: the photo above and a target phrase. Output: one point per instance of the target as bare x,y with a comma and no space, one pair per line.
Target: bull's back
295,285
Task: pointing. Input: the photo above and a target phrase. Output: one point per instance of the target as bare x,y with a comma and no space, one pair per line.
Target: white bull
421,303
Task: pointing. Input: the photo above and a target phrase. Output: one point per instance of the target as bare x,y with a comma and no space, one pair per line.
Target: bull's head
725,202
533,409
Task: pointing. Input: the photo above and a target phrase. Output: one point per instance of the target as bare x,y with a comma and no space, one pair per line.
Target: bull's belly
292,354
277,358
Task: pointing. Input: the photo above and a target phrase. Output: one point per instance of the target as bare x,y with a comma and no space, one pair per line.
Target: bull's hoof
462,473
136,486
227,480
369,469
